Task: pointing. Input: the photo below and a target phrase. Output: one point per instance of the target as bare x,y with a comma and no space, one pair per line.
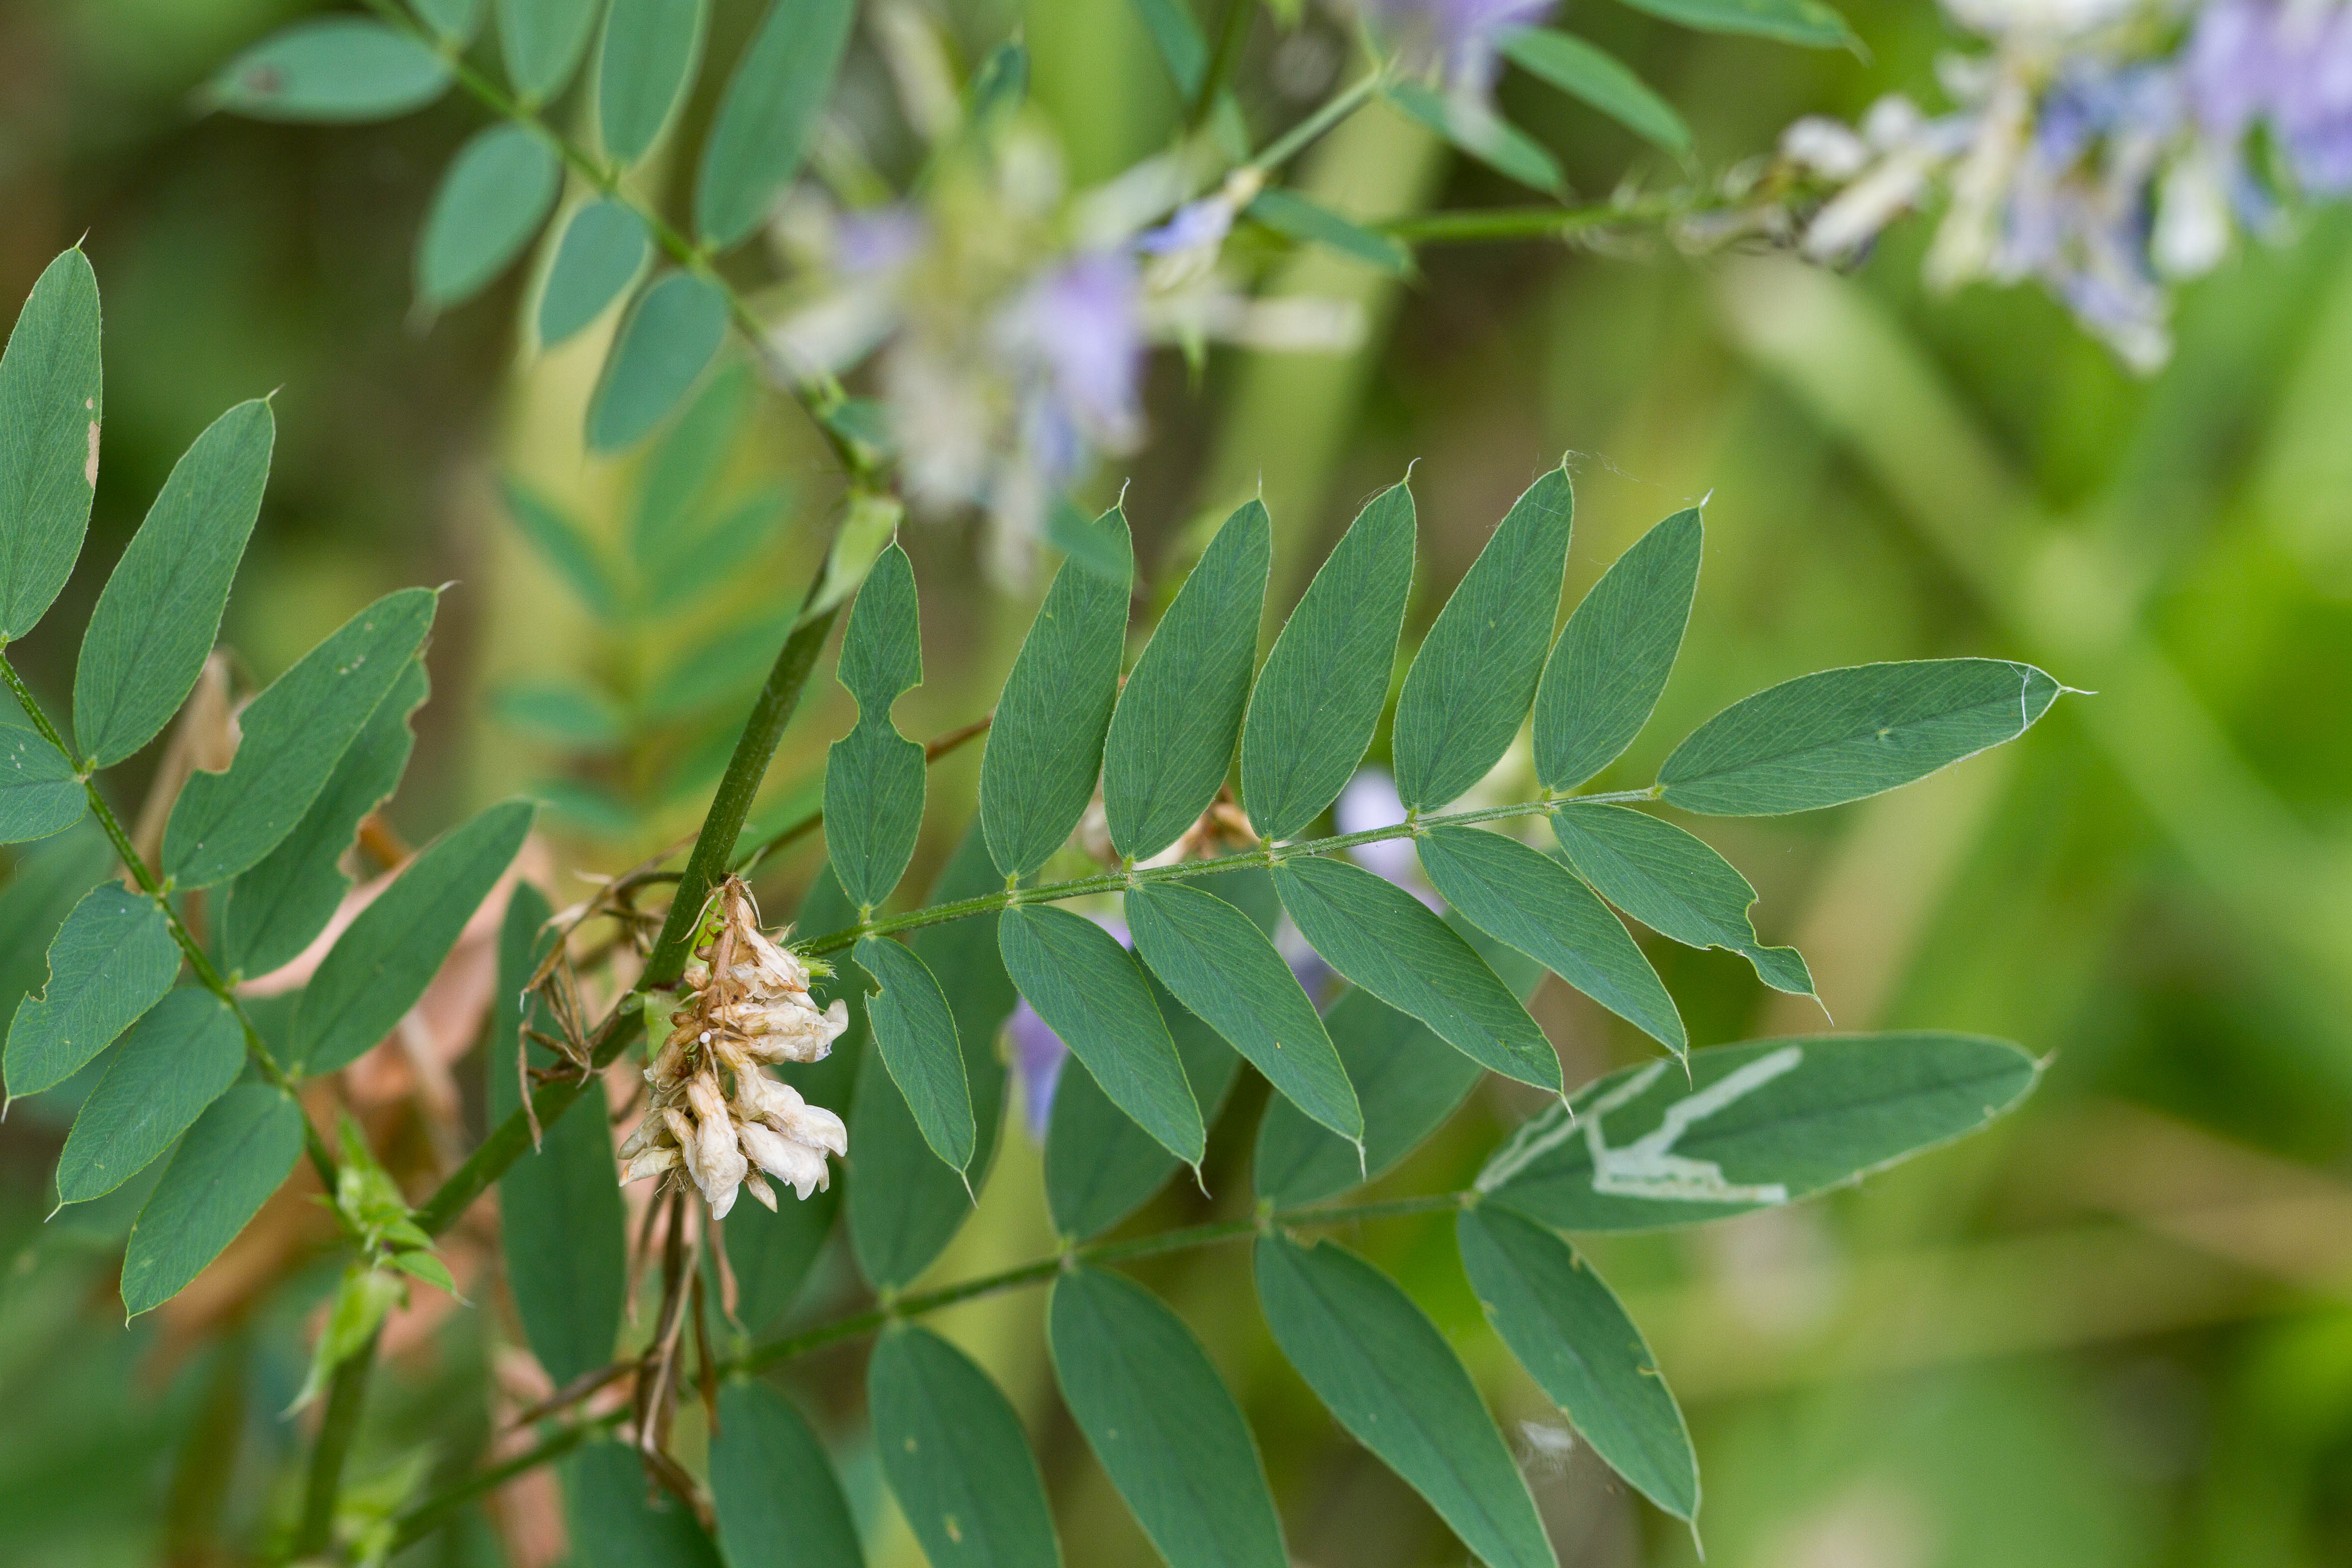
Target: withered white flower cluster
745,1004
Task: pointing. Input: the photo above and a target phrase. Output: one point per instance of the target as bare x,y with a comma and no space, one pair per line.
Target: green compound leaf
1158,1416
1566,1327
771,1254
1292,215
274,910
543,41
569,715
1220,965
1387,941
955,1456
1323,687
899,1225
769,115
1171,737
227,1167
1806,22
498,190
779,1503
1380,1366
1482,133
680,471
560,1220
1090,992
332,68
565,546
1842,735
51,403
1614,656
1408,1081
111,960
1673,883
45,881
1476,671
173,1062
1045,746
1600,79
618,1521
451,20
717,549
651,47
1753,1126
603,248
294,735
671,335
1525,898
40,793
157,616
384,958
915,1035
874,775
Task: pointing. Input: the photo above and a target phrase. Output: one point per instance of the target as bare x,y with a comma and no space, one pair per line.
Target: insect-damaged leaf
1675,883
873,776
111,960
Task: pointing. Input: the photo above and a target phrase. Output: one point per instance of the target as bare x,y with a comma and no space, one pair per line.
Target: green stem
1524,223
1299,137
346,1400
1231,38
1266,856
423,1520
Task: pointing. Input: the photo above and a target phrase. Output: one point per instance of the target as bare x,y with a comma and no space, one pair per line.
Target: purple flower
878,240
1038,1055
1459,38
1194,225
1075,337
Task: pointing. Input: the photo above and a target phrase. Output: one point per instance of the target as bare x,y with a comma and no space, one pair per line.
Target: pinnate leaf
51,403
1476,671
1751,1126
768,115
1600,80
174,1061
1294,216
603,249
40,793
1613,657
227,1167
651,47
565,546
111,960
1481,132
873,776
670,338
542,41
618,1521
1379,1364
955,1456
1675,883
1807,22
1324,685
498,190
1842,735
331,68
294,735
1160,1420
915,1035
779,1503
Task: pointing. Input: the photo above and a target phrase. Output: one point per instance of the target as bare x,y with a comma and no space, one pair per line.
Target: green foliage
498,190
1806,22
111,960
1604,675
779,1505
452,21
171,1064
541,42
874,775
650,52
603,249
1493,141
955,1457
1675,883
668,341
331,68
915,1037
51,406
230,1161
1600,80
768,115
618,1522
1289,214
40,792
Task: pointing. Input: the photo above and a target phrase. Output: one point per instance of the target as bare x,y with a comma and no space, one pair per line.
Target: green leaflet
769,115
111,960
566,546
999,86
385,958
778,1501
1047,746
1408,1081
451,20
671,335
51,403
1322,689
1100,1167
771,1254
1475,673
333,69
1292,215
874,775
560,1220
915,1036
1177,38
603,249
44,884
1480,132
40,793
569,715
618,1521
1752,1126
227,1167
1600,80
1380,1367
1529,900
1566,1327
1841,735
274,910
1171,737
1090,992
499,189
1675,883
1387,941
295,734
542,41
680,471
1614,656
955,1456
161,608
651,47
1158,1416
1216,962
719,549
173,1062
1806,22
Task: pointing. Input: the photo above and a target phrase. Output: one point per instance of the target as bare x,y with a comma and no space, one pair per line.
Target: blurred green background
2115,1331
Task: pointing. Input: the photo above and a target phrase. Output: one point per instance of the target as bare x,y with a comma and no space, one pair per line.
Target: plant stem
1299,137
1524,222
1231,38
1264,855
346,1400
423,1520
